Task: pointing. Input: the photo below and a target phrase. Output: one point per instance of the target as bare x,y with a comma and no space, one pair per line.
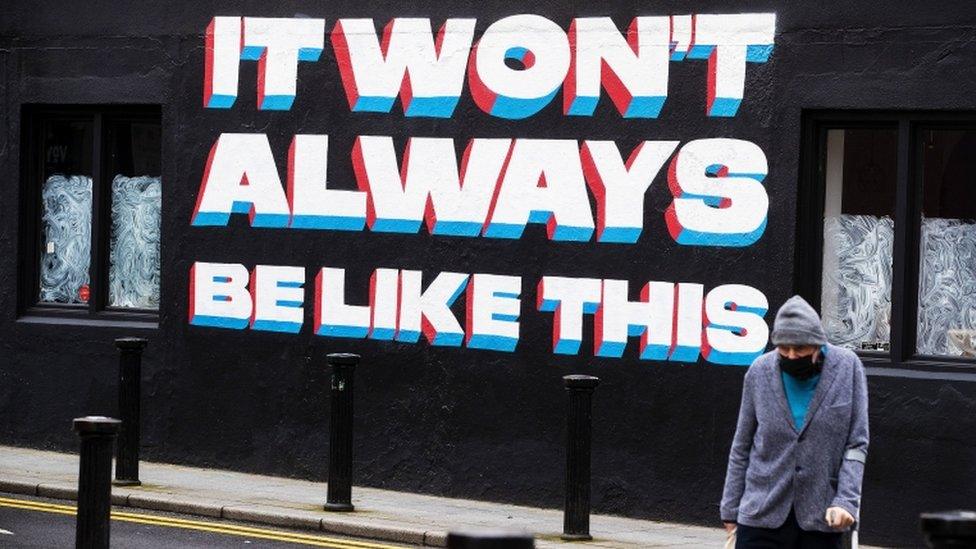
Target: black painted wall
460,422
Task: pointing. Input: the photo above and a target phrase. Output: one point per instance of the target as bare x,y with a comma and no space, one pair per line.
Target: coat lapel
827,378
776,384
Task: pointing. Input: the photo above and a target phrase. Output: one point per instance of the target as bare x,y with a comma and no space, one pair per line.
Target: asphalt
400,517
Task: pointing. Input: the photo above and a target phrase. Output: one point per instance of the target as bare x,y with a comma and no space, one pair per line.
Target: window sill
89,322
920,369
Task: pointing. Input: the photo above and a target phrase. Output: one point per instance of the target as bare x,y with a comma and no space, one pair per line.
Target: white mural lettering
487,190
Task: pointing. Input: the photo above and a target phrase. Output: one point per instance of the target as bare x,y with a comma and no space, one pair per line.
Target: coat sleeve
851,473
735,476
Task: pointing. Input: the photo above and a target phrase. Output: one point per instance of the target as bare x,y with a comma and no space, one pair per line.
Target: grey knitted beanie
797,323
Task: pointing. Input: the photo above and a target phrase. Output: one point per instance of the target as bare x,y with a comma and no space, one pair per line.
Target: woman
797,460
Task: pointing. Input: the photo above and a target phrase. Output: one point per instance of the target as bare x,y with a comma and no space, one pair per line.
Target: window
887,233
947,244
92,205
858,233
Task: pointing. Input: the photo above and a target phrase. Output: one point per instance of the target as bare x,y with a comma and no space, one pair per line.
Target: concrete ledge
386,533
285,520
56,491
174,505
18,487
435,539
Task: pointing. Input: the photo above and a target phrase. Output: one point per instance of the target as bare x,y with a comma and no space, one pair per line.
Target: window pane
947,258
136,207
859,203
66,204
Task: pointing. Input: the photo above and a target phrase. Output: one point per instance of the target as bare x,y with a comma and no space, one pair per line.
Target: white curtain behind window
66,248
134,246
947,287
856,282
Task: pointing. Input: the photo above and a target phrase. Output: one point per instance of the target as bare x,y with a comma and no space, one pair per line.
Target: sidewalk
380,514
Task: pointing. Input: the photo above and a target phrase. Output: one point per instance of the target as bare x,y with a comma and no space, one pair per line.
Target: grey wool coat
775,467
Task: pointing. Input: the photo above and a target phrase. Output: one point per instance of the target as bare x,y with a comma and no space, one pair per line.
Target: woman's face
796,351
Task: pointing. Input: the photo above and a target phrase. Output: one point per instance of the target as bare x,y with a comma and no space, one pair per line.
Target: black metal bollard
94,480
949,530
340,432
489,540
576,513
130,379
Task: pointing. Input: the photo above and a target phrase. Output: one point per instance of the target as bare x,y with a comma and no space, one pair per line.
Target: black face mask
801,368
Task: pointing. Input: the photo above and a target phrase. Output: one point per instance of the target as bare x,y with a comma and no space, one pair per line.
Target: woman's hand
729,526
838,519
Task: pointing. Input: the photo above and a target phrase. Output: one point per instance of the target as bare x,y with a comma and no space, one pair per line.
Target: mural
427,70
490,188
66,219
501,413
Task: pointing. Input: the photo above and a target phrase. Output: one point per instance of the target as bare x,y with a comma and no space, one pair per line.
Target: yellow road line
39,504
32,508
266,534
228,529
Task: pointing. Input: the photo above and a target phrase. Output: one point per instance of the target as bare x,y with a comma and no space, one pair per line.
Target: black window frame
808,258
33,119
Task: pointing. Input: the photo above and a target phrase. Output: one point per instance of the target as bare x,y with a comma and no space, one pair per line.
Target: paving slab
402,517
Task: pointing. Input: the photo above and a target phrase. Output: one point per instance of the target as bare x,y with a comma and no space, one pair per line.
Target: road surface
35,522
